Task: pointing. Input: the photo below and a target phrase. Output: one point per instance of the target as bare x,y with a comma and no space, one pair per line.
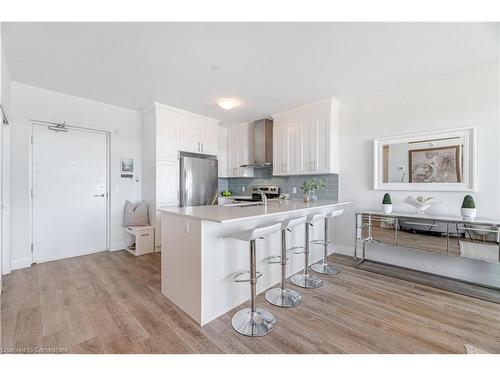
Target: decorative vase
421,203
468,213
387,208
310,196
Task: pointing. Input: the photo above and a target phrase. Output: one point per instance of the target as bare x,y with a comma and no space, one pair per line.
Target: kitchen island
198,263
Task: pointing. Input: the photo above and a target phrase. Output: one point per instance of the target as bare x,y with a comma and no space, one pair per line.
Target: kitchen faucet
263,197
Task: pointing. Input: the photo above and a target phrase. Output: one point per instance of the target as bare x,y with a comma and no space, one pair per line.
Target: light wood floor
111,303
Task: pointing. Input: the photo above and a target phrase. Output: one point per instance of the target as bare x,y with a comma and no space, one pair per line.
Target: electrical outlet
294,190
243,189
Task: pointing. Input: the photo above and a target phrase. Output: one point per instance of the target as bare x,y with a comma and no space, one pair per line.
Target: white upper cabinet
166,131
190,137
209,140
199,135
239,150
306,139
167,140
222,151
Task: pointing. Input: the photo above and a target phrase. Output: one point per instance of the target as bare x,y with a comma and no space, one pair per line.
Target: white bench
144,239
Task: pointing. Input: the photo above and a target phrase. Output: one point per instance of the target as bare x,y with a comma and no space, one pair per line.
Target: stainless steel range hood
263,144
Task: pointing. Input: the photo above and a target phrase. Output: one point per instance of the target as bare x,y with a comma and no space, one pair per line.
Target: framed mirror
433,161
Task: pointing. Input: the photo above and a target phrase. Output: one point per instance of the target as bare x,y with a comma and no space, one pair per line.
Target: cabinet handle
202,144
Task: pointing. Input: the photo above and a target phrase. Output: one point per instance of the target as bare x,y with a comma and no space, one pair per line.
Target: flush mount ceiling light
228,103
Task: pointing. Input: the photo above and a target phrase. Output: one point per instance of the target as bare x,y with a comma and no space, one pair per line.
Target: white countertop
223,214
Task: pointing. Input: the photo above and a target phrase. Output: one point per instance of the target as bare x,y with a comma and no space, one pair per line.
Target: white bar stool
304,279
253,321
283,296
324,267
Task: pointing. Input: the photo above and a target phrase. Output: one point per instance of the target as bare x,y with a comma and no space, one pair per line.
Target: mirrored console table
450,247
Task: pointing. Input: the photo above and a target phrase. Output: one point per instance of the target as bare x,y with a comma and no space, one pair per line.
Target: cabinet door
232,153
322,164
222,151
280,150
190,138
238,152
209,141
309,148
243,147
167,140
167,183
292,149
276,151
316,146
287,149
301,149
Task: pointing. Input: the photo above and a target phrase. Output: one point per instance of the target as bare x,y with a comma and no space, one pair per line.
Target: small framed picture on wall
127,168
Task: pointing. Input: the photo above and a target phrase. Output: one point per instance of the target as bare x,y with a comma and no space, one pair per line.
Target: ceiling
270,66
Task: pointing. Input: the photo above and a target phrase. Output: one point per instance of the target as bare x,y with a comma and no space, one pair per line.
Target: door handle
99,195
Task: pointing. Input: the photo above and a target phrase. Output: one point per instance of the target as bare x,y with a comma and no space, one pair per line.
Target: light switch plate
243,189
294,190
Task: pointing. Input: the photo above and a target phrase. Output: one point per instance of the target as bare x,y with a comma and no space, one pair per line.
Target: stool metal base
325,269
283,297
306,281
258,323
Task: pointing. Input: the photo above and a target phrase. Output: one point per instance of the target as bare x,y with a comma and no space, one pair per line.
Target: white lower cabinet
306,139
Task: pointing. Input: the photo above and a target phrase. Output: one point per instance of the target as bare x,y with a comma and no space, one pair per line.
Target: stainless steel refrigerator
198,179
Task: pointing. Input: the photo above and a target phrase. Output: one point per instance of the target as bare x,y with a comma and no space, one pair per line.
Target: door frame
107,134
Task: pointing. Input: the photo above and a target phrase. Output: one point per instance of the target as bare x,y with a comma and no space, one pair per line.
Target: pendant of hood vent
263,144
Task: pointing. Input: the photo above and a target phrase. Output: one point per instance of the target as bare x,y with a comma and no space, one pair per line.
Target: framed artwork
127,168
436,165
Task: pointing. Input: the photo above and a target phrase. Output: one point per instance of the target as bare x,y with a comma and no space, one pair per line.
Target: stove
271,192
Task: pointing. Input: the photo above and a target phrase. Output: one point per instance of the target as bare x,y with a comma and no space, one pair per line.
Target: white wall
467,98
29,102
4,161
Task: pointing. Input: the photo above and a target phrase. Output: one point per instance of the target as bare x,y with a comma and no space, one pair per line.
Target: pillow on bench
135,214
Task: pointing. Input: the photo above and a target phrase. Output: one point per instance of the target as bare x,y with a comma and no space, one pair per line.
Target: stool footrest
297,247
321,242
277,261
239,274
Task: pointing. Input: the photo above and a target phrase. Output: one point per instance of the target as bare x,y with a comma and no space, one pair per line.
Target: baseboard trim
117,246
17,264
344,250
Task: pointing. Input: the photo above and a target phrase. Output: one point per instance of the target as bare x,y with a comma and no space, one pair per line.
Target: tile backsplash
286,184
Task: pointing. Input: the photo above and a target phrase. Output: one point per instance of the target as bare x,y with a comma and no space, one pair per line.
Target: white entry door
69,193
